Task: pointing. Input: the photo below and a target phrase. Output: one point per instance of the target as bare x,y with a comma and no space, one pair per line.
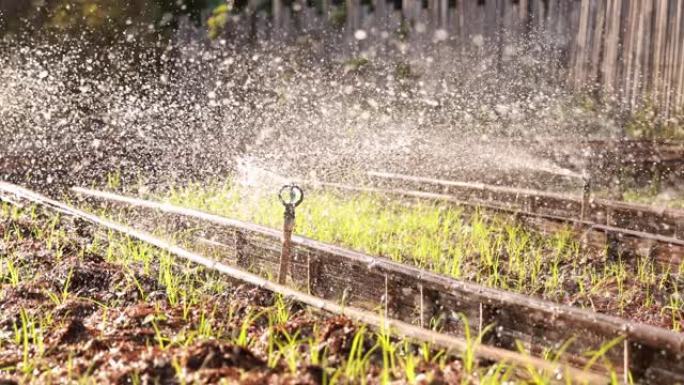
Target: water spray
290,196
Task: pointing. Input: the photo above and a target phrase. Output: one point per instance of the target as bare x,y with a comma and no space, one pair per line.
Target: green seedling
492,250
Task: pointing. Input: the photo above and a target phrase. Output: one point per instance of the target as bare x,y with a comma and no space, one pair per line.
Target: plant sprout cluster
491,250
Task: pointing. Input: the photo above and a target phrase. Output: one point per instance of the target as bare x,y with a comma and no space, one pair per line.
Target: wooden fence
633,49
629,52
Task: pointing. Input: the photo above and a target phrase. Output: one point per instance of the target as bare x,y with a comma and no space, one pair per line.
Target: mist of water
189,109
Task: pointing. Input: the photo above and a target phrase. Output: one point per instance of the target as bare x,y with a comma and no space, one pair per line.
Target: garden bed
494,250
85,307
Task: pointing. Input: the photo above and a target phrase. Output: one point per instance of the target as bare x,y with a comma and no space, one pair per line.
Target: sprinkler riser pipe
286,250
290,202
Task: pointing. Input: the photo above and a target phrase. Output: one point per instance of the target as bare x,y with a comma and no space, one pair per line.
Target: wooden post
628,52
308,273
500,31
462,32
386,296
477,20
277,9
610,50
642,41
353,14
524,15
648,46
422,306
490,20
586,199
406,8
625,363
673,45
380,13
597,41
481,321
539,13
659,37
679,102
581,44
240,258
251,13
552,22
433,14
444,14
678,77
325,9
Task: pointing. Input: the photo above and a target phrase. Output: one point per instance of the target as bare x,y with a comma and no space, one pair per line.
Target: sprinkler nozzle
291,195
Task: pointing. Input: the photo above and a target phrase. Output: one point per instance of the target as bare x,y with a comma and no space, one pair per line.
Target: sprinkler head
291,195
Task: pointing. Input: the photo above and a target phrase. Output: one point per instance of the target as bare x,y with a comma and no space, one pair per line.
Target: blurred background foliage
103,19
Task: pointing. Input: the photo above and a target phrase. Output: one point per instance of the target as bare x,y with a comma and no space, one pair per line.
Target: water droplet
441,34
